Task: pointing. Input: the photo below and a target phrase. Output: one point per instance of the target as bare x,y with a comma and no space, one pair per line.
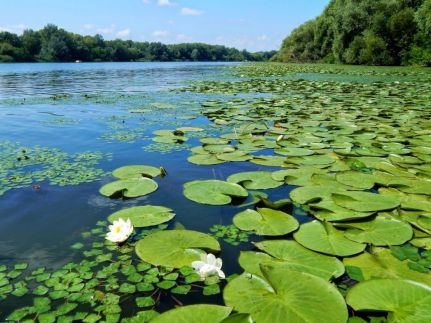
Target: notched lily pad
144,216
136,171
405,300
284,296
266,221
175,248
213,192
258,180
129,188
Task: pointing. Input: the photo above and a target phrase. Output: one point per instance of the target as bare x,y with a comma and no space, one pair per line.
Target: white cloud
16,29
106,30
191,12
184,38
88,26
166,3
160,33
263,37
123,33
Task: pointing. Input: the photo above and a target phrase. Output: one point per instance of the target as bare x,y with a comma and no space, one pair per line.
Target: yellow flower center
117,229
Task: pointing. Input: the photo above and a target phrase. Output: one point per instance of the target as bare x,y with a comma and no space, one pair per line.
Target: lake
65,127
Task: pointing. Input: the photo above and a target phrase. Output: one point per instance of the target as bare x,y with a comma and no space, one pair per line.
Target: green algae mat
261,193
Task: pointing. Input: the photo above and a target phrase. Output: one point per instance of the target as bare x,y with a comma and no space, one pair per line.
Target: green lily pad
266,222
313,194
365,201
235,156
199,313
381,231
214,141
324,238
129,187
144,216
219,149
356,179
406,301
327,210
136,171
175,248
213,192
292,256
205,159
382,264
294,152
285,296
238,318
299,177
258,180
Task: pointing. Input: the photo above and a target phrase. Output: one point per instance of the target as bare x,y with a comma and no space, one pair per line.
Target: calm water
86,107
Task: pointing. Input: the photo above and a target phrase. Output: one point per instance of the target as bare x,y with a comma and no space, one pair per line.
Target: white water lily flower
119,231
209,265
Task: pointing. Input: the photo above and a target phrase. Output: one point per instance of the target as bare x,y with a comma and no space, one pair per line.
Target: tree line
370,32
53,44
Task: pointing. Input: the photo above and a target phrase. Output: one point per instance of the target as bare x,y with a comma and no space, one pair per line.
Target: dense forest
53,44
372,32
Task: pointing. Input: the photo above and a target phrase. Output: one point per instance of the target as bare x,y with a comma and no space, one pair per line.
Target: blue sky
251,24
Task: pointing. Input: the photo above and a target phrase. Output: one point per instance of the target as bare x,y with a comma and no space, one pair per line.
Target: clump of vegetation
29,166
53,44
366,32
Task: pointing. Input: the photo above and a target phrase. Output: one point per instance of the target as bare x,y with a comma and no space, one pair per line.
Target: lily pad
313,194
213,192
205,159
266,222
285,296
382,264
136,171
381,231
144,216
406,301
292,256
258,180
365,201
175,248
200,313
299,177
356,179
324,238
129,187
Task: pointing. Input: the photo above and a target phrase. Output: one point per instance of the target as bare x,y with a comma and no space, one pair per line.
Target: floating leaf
129,187
381,264
266,222
176,248
258,180
324,238
356,179
292,256
144,216
200,313
207,159
381,231
285,295
136,171
365,201
406,301
213,192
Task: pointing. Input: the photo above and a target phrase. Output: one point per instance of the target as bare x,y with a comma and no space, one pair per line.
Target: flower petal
197,265
211,259
221,274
